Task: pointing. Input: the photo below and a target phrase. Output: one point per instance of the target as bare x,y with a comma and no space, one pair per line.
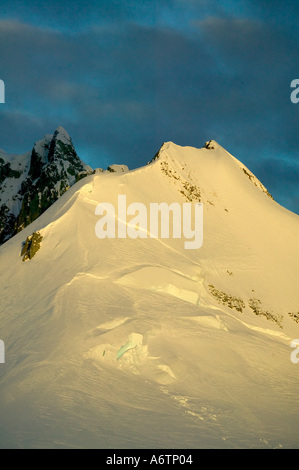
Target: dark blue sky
124,76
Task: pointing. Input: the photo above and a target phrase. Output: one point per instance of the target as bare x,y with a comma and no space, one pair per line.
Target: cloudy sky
124,76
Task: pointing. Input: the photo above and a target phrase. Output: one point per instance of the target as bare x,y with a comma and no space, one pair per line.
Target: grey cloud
121,92
68,14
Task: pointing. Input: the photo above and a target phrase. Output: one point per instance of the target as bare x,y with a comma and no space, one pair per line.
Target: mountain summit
139,343
30,183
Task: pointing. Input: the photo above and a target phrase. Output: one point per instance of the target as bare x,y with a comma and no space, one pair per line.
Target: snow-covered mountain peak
212,145
61,146
128,339
30,183
51,146
62,135
209,166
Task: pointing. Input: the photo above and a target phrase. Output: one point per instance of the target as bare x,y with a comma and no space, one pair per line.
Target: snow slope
139,343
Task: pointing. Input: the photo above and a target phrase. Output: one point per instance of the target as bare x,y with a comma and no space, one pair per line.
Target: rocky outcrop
31,246
31,183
